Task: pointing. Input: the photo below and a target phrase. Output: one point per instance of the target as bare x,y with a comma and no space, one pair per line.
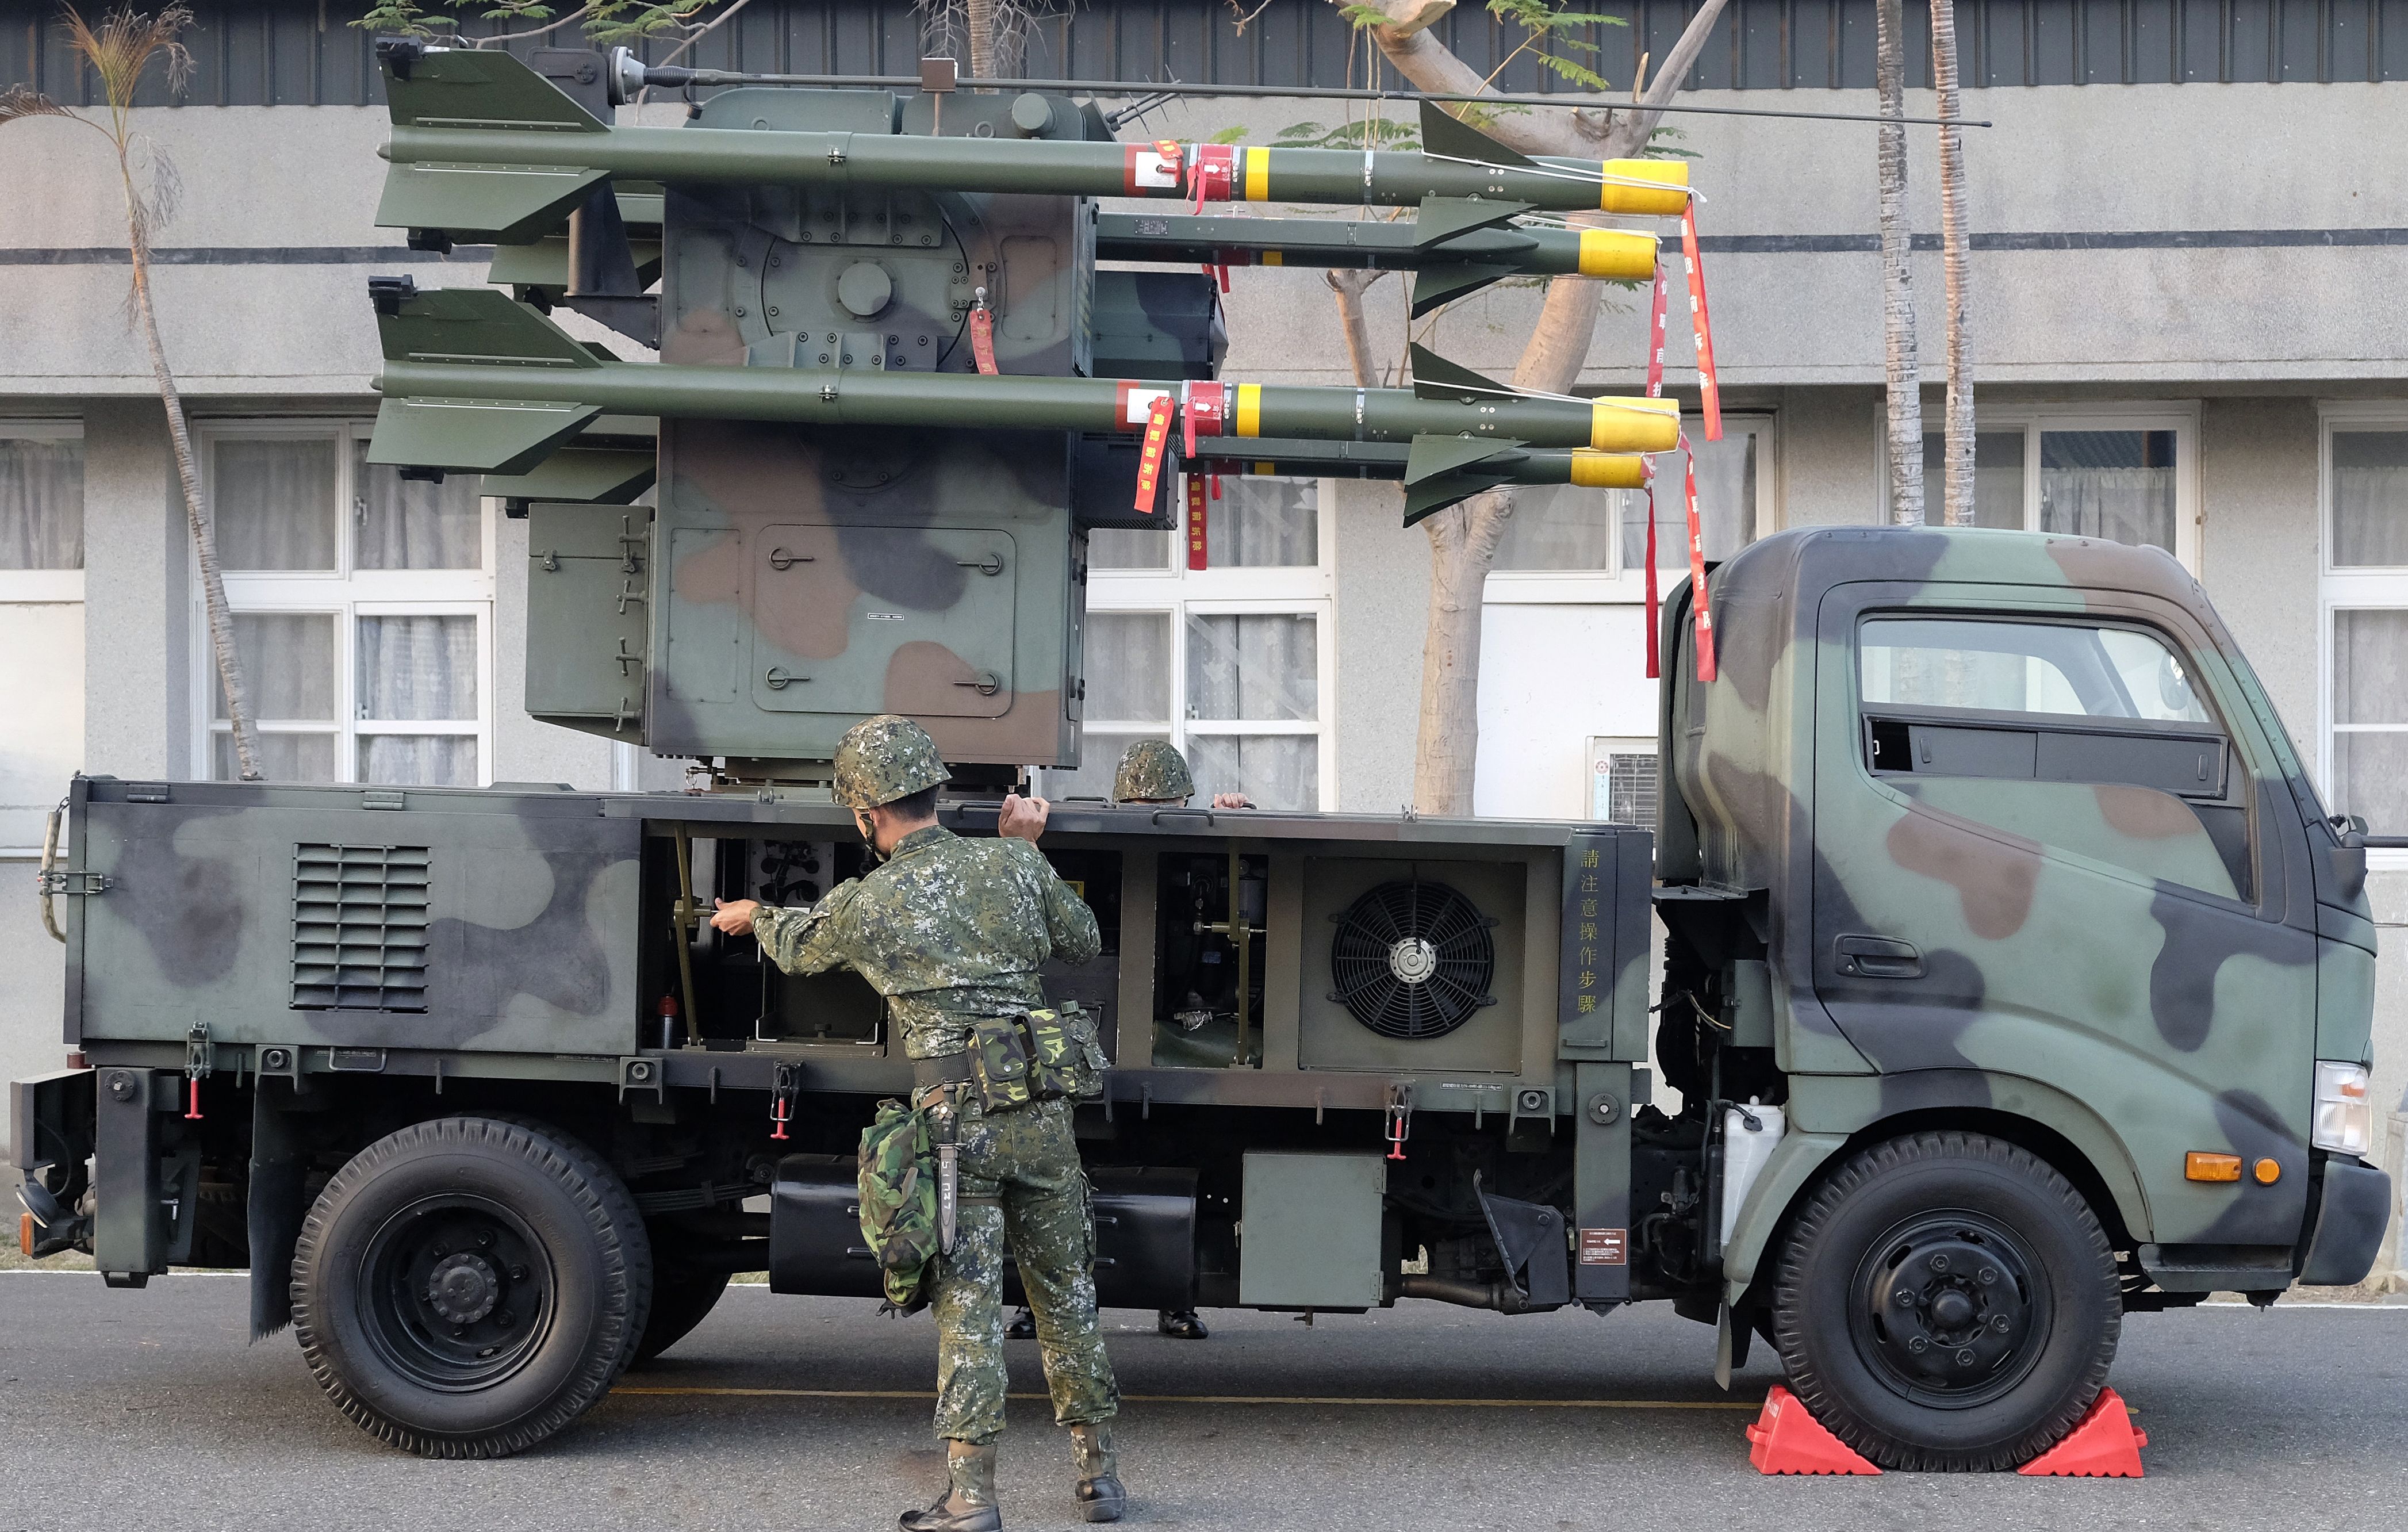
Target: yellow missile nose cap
1648,188
1634,425
1617,254
1594,470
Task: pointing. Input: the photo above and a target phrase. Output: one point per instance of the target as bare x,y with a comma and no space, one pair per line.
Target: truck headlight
2344,1123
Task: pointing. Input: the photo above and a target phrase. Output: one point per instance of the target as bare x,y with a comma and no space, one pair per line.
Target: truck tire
467,1286
681,1301
1946,1301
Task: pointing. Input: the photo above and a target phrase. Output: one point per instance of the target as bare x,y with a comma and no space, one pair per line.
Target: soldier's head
1153,771
887,772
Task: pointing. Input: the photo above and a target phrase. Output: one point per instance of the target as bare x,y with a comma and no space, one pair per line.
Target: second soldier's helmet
1149,770
885,758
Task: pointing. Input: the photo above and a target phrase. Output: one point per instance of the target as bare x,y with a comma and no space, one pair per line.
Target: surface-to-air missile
895,391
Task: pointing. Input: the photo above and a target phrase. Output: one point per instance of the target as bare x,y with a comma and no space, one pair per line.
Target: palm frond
125,45
21,101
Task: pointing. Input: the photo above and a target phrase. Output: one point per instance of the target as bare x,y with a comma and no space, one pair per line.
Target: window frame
46,587
346,594
1176,593
2350,588
1626,584
2181,417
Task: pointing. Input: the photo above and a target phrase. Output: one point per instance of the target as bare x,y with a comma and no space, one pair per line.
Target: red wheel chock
1785,1438
1788,1439
2105,1445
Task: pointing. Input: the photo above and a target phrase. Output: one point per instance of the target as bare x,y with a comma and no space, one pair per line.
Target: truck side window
2085,735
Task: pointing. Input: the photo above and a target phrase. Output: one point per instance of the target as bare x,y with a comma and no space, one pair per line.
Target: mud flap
279,1160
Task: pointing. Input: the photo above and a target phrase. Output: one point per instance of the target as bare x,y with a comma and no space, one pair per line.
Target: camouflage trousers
1025,1160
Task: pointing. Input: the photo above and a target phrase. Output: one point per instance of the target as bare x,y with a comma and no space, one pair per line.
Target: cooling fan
1412,960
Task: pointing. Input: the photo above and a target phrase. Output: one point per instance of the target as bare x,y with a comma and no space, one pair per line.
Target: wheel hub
464,1287
1948,1312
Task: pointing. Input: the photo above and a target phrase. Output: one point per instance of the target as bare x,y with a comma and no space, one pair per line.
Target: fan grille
1412,960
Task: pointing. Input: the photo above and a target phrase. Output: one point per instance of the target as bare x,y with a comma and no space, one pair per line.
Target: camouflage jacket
947,929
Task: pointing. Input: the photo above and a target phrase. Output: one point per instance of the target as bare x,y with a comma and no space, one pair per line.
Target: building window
2116,473
2365,640
41,621
1230,662
1564,544
363,610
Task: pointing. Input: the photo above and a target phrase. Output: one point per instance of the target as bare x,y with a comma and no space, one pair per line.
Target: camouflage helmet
885,758
1151,769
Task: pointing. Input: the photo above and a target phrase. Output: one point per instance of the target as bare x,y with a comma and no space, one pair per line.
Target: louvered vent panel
359,927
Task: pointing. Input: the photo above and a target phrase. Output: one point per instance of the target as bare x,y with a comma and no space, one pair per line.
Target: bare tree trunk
1900,367
981,31
1959,494
204,540
1462,538
1348,287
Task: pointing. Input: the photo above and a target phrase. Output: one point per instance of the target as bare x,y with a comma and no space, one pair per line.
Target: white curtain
2121,505
1253,667
41,504
418,760
1276,770
1264,524
417,667
274,502
1560,527
283,757
1099,760
1124,548
1998,479
288,664
1726,504
412,523
1128,667
2370,494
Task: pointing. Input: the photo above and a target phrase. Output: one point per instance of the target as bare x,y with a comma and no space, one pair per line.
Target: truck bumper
2350,1220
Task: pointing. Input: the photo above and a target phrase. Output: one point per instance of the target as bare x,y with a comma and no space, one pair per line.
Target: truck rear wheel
466,1287
681,1301
1947,1301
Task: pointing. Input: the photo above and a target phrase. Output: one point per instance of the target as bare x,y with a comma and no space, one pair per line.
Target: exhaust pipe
1501,1297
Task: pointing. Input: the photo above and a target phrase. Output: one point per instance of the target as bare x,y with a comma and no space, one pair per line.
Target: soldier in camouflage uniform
950,931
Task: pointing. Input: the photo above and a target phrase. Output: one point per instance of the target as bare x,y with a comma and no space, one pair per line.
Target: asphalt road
151,1408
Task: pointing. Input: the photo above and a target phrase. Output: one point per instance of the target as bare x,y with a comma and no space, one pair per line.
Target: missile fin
1426,500
1436,377
473,88
506,206
490,434
594,476
459,90
1441,218
475,325
1435,456
1444,134
473,436
1442,284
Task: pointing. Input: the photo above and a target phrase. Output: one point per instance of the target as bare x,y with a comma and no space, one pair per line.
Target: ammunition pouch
898,1184
1040,1056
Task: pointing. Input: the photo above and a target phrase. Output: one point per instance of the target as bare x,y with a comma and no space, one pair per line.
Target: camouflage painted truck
2012,976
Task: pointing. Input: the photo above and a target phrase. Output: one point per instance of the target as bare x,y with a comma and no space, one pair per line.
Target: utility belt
1035,1055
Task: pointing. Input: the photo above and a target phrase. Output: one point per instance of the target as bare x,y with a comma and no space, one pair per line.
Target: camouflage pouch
1000,1061
897,1182
1068,1056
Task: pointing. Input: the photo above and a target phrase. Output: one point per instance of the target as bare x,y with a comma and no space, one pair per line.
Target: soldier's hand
734,916
1023,817
1232,800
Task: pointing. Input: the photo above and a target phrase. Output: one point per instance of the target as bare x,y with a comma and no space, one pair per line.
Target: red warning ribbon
1654,391
982,339
1213,176
1205,412
1697,568
1196,517
1709,391
1148,458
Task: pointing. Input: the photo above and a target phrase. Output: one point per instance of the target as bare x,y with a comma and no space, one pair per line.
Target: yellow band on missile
1634,425
1250,409
1593,471
1665,195
1258,175
1613,252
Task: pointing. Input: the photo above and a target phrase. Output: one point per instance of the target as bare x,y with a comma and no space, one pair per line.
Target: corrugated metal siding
300,53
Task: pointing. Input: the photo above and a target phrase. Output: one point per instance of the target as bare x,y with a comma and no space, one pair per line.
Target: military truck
2013,978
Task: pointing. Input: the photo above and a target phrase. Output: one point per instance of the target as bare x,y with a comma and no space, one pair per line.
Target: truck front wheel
1947,1301
466,1287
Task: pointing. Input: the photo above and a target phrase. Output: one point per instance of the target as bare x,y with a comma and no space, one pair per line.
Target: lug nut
1965,1359
1917,1344
518,1273
1905,1298
1940,1263
1990,1274
2000,1325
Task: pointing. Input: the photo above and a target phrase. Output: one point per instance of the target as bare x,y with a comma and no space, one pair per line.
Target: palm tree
119,50
1959,494
1900,368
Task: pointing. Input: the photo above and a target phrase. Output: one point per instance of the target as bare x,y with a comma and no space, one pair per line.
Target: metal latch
58,881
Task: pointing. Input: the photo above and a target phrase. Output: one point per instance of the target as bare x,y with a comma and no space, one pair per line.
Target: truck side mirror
2348,854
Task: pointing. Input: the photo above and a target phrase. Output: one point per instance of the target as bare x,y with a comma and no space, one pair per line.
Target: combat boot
968,1504
1099,1493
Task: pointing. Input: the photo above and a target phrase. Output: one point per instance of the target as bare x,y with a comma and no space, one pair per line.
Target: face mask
869,828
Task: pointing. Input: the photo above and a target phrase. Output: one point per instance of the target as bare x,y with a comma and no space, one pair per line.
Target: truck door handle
1878,958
